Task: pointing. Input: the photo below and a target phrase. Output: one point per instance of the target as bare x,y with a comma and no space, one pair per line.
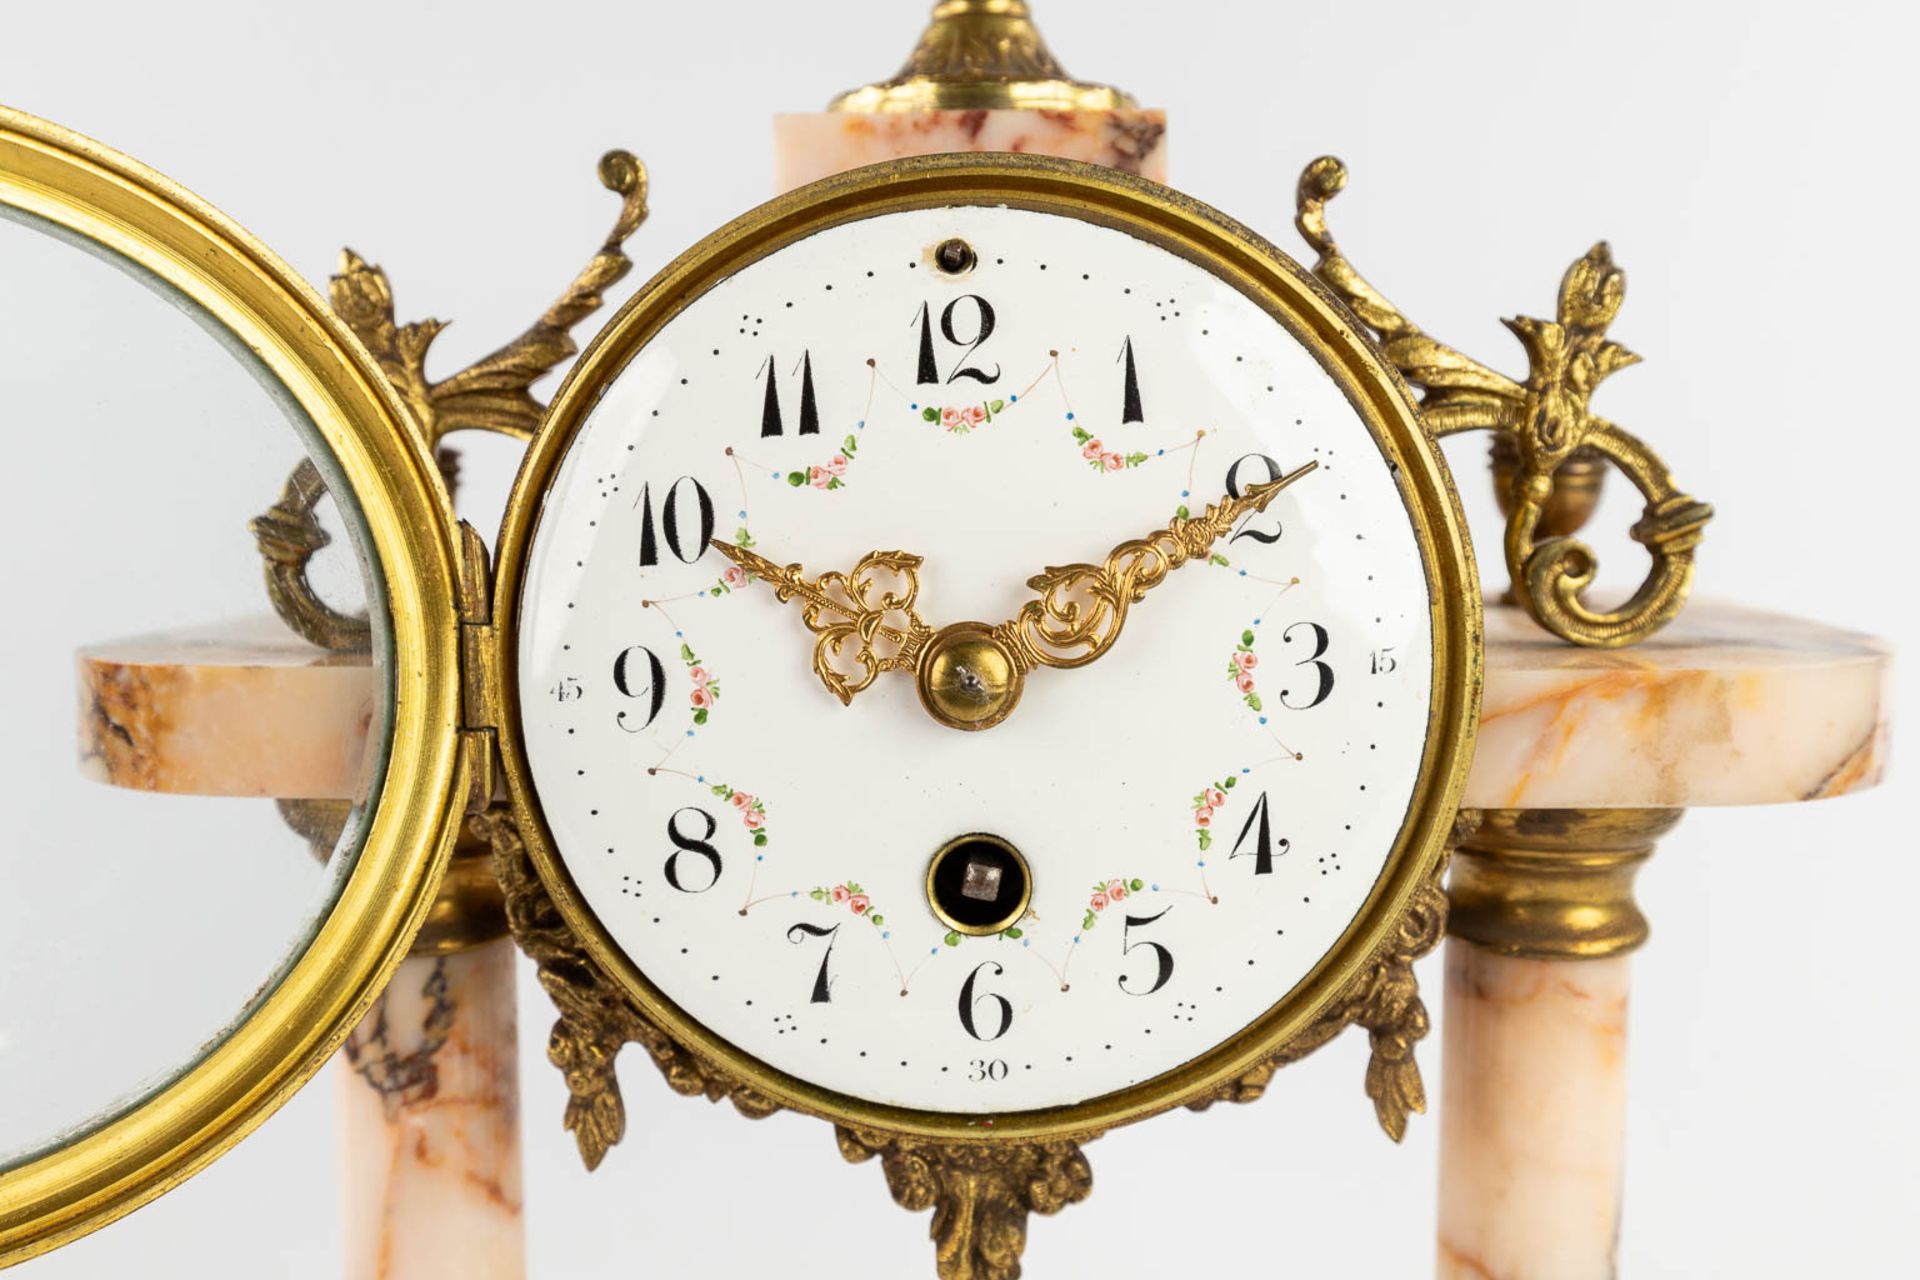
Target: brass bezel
109,1170
1233,253
976,930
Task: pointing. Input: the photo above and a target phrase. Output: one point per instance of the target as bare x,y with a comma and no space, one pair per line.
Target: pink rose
735,576
699,675
839,893
819,477
1098,902
1092,450
1203,817
974,414
1215,797
838,466
741,800
1113,461
858,904
1246,661
1243,682
700,697
950,418
1116,889
754,819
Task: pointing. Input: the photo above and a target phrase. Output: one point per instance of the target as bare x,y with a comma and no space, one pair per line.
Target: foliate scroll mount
1547,418
492,394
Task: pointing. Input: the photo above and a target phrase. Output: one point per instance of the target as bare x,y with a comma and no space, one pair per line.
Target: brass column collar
471,909
978,55
1554,884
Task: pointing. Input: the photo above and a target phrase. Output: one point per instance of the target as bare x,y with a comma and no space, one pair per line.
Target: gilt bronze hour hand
865,623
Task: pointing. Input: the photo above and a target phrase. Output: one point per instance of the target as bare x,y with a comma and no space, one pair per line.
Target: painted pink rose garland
852,895
962,420
752,810
830,474
1240,665
1205,805
1105,895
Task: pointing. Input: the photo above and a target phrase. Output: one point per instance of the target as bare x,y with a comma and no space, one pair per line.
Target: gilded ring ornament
359,431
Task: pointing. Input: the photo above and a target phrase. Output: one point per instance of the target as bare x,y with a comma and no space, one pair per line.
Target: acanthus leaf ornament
596,1019
1383,997
981,1194
492,394
1549,419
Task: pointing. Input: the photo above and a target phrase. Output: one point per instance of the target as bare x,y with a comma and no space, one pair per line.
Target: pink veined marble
1532,1116
818,145
430,1124
235,709
1726,706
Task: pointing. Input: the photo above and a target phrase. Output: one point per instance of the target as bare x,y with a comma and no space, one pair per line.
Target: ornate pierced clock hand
889,633
1082,607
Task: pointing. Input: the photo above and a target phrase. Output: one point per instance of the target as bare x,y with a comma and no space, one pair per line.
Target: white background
1752,164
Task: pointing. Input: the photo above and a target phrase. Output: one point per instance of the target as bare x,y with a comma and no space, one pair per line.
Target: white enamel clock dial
1202,812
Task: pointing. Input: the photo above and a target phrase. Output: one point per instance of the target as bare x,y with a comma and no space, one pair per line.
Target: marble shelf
1728,706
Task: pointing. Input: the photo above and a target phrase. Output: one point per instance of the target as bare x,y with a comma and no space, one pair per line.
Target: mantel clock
981,649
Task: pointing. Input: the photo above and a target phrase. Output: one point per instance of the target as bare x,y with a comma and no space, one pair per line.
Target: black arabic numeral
1323,674
1235,489
655,690
1163,958
1265,847
929,371
700,845
673,522
772,421
968,1000
1130,410
983,312
822,984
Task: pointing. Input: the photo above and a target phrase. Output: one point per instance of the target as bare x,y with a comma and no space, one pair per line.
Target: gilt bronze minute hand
864,625
1082,607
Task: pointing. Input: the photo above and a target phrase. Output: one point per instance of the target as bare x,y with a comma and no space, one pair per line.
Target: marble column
1533,1071
428,1086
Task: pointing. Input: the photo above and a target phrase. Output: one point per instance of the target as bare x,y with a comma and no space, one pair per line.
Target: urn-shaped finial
982,55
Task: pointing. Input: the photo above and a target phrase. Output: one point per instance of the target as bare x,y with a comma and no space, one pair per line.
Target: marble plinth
1532,1110
1726,706
430,1125
818,145
237,709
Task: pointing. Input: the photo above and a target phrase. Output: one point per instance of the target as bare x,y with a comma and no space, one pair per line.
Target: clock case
605,1000
458,759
